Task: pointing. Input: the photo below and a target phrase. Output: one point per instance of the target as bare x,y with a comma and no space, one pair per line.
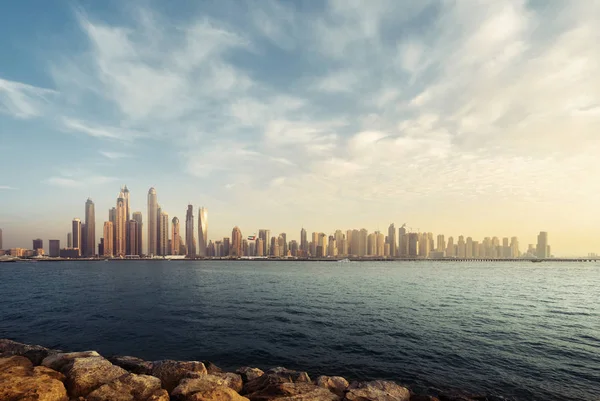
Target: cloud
114,155
112,133
80,181
6,187
22,100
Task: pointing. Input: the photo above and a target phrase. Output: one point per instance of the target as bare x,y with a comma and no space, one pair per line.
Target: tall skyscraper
260,247
462,247
90,228
236,242
402,242
284,250
137,216
450,248
132,239
202,231
164,233
121,231
303,242
424,245
83,240
514,248
108,233
70,240
54,248
392,240
38,244
542,248
441,243
469,248
265,235
413,245
152,222
175,238
126,198
76,238
189,232
112,217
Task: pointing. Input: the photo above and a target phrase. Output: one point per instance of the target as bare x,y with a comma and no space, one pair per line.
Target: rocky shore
33,372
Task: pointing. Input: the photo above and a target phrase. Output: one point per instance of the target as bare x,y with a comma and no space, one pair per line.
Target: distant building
236,243
121,231
76,238
542,248
54,248
152,222
90,228
38,244
202,231
164,233
189,232
303,241
70,253
69,240
265,234
137,216
175,238
392,240
413,245
108,233
1,239
132,239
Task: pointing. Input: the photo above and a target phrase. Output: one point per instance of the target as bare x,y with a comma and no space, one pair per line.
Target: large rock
132,364
60,360
211,368
171,373
249,373
292,375
335,384
19,381
205,388
378,390
85,375
232,380
130,387
35,353
272,378
288,391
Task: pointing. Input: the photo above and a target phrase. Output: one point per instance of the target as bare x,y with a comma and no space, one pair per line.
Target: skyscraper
121,231
402,242
236,242
303,242
284,250
90,228
462,247
450,248
202,231
112,217
392,240
164,233
76,238
514,248
132,239
469,248
265,234
175,238
126,197
38,244
69,240
441,243
152,222
189,232
108,233
413,245
137,216
542,245
54,248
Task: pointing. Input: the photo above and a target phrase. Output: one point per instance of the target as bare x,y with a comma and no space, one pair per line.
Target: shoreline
54,375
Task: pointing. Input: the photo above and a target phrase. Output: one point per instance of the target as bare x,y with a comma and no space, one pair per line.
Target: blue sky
475,118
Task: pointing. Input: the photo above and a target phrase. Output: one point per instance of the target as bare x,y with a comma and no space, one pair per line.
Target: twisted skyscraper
202,231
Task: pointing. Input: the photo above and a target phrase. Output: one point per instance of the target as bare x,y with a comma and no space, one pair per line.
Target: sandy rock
292,375
211,368
335,384
378,390
249,373
60,360
35,353
130,387
160,395
44,371
205,388
18,382
85,375
132,364
171,373
232,380
288,391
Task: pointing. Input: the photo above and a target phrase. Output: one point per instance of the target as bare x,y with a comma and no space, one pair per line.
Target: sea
515,331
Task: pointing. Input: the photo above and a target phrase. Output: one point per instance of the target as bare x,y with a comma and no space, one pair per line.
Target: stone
42,370
130,387
292,375
335,384
60,360
19,382
35,353
132,364
85,375
232,380
211,368
288,391
205,388
170,372
249,373
160,395
378,390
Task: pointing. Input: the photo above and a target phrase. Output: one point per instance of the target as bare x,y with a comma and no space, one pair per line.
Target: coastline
54,375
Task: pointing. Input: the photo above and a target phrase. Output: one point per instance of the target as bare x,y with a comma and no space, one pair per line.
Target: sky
475,118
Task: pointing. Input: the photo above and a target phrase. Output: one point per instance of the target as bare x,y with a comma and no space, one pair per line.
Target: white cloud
113,133
80,181
6,187
114,155
21,100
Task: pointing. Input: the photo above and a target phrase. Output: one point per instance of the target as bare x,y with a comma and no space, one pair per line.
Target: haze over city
475,119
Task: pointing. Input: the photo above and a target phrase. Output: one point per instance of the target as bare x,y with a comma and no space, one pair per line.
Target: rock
378,390
211,368
42,370
132,364
35,353
206,388
232,380
170,372
288,391
419,397
85,375
160,395
335,384
249,373
20,382
292,375
60,360
130,387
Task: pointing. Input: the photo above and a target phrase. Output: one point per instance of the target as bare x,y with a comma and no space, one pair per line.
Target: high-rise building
542,250
90,228
83,239
152,222
402,242
362,242
38,244
164,234
265,234
120,244
284,250
69,240
514,248
76,238
260,247
236,242
54,248
226,246
450,252
469,248
392,240
132,239
137,216
202,231
462,248
175,237
112,217
424,245
441,243
380,244
294,248
108,232
413,245
189,232
303,242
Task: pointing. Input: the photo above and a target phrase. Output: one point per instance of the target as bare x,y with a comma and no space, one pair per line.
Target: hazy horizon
458,118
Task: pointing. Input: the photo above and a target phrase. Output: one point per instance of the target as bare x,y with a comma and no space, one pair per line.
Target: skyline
478,118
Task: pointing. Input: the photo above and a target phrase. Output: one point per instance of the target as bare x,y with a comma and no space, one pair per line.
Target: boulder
211,368
19,381
378,390
130,387
272,379
292,375
232,380
60,360
85,375
249,373
132,364
335,384
35,353
44,371
170,372
288,391
205,388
